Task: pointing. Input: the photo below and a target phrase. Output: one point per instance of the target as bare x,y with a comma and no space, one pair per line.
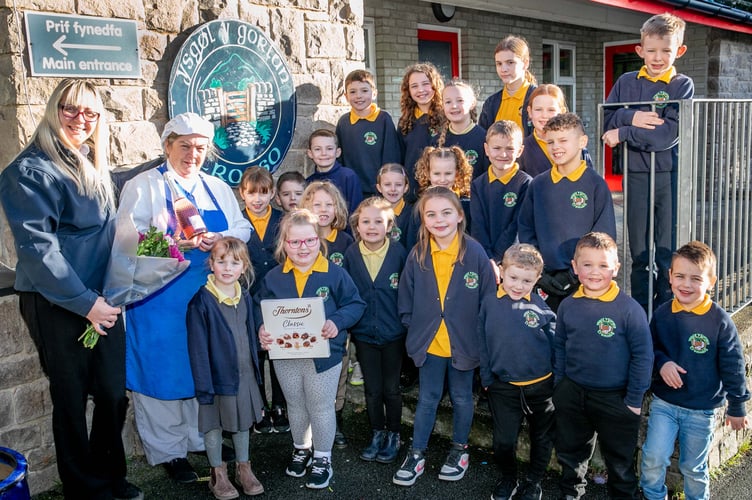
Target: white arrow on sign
60,46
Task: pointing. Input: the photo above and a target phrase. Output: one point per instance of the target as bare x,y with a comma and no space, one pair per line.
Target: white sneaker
356,378
456,464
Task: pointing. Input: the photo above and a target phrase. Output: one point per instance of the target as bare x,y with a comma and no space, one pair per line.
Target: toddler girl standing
222,347
375,264
512,58
310,385
446,276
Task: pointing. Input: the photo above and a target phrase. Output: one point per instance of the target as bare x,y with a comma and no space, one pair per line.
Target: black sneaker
321,473
181,470
123,490
299,462
530,491
279,417
505,489
411,469
456,464
265,426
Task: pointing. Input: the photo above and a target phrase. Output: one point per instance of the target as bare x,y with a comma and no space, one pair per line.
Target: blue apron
156,355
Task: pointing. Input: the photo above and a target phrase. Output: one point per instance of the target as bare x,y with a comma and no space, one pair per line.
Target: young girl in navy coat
375,264
222,347
446,276
310,385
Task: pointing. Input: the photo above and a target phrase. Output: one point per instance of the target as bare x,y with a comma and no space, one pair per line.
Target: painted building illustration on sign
230,73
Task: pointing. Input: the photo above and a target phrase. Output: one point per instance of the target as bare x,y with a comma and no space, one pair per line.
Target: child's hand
330,330
670,373
611,138
497,271
646,119
634,409
265,338
737,423
207,241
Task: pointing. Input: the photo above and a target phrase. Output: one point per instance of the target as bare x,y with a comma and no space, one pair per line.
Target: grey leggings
310,402
213,444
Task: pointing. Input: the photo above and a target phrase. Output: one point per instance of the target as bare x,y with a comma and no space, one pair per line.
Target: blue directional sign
67,45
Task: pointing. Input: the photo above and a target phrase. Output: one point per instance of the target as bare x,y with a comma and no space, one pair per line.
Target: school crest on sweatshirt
661,95
698,343
394,281
579,199
395,233
337,258
532,320
606,327
370,138
471,280
472,156
510,199
323,292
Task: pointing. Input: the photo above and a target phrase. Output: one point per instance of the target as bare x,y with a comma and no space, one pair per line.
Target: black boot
340,441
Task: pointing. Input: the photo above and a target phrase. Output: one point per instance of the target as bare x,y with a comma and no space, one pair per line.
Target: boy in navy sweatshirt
646,130
604,360
700,360
323,149
516,367
366,133
562,205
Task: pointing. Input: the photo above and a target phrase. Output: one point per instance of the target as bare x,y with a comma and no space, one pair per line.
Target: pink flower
175,253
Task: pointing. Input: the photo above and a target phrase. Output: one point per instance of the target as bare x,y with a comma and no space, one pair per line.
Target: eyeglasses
309,242
72,112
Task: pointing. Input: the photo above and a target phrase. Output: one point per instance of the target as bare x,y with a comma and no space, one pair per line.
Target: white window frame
369,35
564,80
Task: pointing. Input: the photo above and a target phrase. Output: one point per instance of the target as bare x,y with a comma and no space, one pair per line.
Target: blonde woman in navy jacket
310,385
446,276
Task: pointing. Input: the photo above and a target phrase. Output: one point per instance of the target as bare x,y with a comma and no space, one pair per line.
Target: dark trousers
638,213
381,375
509,405
88,463
581,416
278,397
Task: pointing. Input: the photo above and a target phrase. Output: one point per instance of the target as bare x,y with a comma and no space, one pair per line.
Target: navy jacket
342,303
380,323
708,347
516,339
554,216
420,305
262,251
335,250
412,146
471,144
211,347
366,146
604,345
491,108
534,161
494,208
640,141
346,181
63,239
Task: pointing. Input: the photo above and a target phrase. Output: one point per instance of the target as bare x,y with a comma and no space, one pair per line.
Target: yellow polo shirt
443,265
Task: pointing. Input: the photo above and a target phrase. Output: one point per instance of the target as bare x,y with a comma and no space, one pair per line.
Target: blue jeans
432,375
695,431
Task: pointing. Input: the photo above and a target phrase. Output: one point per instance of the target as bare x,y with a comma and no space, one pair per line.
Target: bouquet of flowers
140,265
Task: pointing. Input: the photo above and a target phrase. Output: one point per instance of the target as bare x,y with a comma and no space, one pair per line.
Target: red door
619,59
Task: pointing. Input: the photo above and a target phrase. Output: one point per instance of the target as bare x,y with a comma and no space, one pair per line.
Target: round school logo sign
579,199
370,138
698,343
510,199
606,327
230,73
661,96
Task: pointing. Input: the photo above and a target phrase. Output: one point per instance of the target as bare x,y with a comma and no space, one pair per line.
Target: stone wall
729,71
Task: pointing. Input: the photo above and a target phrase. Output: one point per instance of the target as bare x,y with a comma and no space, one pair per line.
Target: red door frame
613,180
450,37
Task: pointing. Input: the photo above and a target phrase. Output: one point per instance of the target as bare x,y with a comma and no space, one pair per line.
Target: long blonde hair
91,176
340,206
422,248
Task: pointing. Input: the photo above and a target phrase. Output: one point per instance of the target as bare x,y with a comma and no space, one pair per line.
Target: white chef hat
187,124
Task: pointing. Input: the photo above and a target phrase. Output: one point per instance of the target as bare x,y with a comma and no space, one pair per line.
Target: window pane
438,53
548,64
569,94
566,62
